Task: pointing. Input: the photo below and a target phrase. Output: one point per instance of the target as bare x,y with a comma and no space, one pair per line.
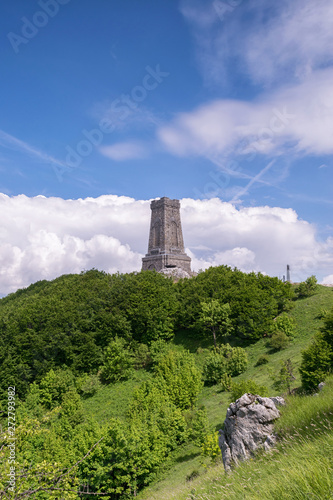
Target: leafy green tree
118,362
307,287
285,376
224,360
54,385
254,300
317,361
215,318
178,375
285,324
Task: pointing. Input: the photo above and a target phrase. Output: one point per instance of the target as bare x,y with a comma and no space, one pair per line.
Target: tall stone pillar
166,244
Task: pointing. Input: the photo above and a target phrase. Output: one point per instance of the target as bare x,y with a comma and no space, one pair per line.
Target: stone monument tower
166,245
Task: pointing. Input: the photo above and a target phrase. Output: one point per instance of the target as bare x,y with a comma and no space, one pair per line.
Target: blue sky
227,101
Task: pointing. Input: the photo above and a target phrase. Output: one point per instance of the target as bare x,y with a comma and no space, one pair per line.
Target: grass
187,459
112,400
300,467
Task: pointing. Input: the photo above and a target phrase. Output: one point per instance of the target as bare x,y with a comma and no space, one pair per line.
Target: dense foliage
60,341
317,359
75,320
224,360
254,300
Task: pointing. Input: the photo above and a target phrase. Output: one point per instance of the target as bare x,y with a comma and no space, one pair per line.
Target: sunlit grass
300,467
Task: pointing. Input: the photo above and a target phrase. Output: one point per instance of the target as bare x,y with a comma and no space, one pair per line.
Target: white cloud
41,238
11,142
327,280
124,151
295,119
283,41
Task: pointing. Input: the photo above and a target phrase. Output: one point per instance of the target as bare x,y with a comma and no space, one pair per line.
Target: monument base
162,261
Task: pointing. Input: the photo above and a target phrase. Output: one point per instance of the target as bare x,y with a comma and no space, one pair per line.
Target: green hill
118,384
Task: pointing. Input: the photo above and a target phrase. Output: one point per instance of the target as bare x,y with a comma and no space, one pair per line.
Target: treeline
72,320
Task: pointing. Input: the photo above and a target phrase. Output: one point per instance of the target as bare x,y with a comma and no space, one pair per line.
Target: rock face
175,272
247,427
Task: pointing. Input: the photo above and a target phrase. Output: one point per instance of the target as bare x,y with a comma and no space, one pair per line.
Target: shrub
307,287
236,361
214,368
142,358
195,473
224,360
247,386
178,375
262,360
285,324
210,447
285,376
88,385
54,385
197,424
226,382
316,362
118,362
278,341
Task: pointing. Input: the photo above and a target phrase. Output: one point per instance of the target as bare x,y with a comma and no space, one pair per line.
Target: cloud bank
42,238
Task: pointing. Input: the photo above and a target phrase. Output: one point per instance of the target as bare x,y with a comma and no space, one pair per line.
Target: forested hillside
110,372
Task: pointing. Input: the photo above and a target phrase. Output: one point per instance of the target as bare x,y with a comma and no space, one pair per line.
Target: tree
118,362
215,318
317,361
178,375
286,376
317,358
307,287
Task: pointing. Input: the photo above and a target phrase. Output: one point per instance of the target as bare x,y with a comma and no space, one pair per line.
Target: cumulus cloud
42,238
296,118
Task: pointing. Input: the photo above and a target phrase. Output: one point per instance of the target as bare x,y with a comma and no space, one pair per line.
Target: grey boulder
248,426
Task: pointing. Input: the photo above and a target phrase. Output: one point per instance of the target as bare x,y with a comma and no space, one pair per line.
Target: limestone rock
175,272
247,427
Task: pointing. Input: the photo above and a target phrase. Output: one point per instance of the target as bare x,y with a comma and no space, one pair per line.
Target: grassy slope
187,458
299,467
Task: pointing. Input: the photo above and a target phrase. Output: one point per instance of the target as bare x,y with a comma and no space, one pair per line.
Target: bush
247,386
236,361
224,360
88,385
262,360
307,287
214,368
210,447
317,362
226,382
285,324
179,376
118,362
197,424
54,385
285,377
142,357
278,341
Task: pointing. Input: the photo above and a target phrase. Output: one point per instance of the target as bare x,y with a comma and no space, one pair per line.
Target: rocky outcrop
175,272
248,426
